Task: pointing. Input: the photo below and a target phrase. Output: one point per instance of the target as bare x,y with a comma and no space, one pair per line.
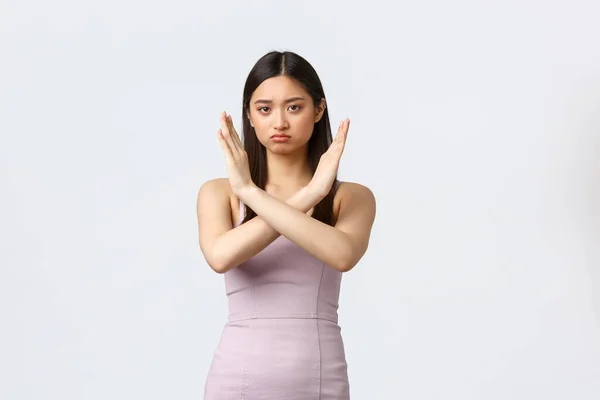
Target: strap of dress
242,211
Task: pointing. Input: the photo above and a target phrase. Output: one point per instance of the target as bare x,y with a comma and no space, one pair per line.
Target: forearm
323,241
245,241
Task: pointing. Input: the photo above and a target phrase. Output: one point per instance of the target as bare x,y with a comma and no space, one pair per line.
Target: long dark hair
290,64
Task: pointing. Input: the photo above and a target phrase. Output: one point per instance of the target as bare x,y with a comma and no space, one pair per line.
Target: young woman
282,229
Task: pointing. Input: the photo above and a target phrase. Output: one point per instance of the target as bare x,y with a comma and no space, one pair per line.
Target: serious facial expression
283,114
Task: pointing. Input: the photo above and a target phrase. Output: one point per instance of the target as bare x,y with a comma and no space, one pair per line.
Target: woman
282,229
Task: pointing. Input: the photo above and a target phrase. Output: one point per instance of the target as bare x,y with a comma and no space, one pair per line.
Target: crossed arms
341,246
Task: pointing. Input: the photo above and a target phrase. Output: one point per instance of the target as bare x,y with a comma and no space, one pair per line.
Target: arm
340,247
225,247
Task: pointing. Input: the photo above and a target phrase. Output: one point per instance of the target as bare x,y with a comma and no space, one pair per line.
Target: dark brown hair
292,65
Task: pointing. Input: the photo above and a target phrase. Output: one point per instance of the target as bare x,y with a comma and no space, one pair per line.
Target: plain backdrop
476,124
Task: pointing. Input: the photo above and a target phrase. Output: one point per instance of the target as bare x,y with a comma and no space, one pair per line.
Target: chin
282,148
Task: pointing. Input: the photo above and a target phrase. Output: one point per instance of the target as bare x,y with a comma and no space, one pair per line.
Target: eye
262,109
297,107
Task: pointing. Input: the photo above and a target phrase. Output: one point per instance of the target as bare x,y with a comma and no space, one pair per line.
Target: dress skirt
279,359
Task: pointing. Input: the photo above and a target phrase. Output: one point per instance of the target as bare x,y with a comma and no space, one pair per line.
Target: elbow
348,260
345,266
218,268
218,264
219,261
345,263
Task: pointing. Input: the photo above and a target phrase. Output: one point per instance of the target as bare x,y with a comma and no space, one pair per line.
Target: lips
280,135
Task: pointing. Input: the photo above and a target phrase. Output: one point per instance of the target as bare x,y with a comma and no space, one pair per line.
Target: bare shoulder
214,194
352,191
213,190
215,186
351,196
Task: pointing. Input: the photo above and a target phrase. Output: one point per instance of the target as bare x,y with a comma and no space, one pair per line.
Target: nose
280,120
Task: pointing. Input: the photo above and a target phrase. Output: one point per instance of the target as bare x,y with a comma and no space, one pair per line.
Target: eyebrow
290,100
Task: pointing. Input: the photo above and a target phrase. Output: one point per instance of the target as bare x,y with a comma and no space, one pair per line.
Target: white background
475,124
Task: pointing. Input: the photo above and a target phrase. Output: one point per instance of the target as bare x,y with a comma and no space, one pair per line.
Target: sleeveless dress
282,340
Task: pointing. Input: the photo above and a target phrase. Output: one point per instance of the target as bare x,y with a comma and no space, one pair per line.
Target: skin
284,207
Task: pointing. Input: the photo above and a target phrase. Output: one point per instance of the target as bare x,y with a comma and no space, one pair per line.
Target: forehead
279,88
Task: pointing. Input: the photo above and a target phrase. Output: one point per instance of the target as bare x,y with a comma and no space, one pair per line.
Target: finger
342,129
337,134
343,132
227,135
346,128
235,139
224,146
234,133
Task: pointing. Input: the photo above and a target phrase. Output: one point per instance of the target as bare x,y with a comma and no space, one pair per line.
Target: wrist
246,191
314,192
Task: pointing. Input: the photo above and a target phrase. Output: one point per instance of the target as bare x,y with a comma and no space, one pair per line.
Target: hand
236,159
330,160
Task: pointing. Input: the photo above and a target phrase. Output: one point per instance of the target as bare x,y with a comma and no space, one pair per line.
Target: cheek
305,123
261,126
262,130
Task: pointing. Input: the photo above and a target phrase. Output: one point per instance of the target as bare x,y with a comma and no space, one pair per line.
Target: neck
288,170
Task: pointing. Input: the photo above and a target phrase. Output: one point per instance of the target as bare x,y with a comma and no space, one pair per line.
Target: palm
238,170
330,160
